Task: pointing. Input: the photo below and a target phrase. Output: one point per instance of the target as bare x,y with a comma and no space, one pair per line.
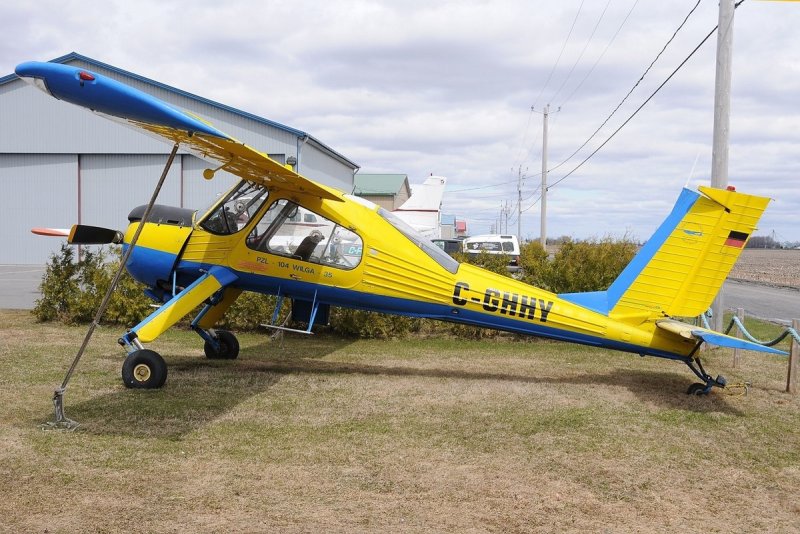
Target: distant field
323,434
774,267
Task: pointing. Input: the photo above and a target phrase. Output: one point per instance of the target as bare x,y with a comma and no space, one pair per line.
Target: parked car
495,244
451,246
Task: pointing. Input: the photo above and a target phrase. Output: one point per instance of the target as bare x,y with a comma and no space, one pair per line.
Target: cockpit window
233,213
427,246
290,230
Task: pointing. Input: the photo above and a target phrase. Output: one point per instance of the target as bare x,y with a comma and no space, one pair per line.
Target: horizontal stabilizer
82,234
698,333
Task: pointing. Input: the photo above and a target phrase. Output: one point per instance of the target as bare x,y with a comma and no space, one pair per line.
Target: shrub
59,287
366,324
496,263
588,265
535,264
73,291
252,310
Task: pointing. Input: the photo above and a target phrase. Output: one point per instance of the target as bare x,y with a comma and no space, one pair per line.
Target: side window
508,246
293,231
344,249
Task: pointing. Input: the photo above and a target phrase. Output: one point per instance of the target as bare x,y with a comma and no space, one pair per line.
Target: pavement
19,286
19,289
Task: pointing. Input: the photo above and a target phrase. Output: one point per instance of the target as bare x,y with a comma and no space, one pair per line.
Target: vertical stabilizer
423,208
683,266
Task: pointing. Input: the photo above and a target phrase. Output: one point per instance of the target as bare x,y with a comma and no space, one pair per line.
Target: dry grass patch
324,434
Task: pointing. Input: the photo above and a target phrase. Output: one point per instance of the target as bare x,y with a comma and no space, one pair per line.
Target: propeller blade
82,234
52,232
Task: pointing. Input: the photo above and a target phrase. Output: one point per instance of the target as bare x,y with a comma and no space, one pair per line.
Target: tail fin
684,264
422,209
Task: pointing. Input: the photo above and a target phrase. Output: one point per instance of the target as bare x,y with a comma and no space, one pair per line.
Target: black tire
228,347
144,369
696,389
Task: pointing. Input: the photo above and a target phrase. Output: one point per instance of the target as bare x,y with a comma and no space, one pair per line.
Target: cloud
447,88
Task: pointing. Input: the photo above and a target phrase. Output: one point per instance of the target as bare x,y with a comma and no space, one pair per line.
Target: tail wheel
228,347
697,389
144,369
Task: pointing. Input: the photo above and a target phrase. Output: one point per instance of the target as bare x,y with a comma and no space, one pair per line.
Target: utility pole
519,203
505,209
543,237
722,121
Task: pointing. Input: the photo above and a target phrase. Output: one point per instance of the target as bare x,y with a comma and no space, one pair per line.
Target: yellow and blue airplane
276,232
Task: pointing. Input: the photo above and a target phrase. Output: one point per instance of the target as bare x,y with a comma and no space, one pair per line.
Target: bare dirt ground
771,267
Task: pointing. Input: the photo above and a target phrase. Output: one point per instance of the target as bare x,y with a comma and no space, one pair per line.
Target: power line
600,57
481,187
641,106
549,76
588,41
635,85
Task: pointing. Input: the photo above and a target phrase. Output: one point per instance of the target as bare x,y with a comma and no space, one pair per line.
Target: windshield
233,214
436,254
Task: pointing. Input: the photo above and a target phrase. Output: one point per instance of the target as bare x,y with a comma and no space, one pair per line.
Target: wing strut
61,421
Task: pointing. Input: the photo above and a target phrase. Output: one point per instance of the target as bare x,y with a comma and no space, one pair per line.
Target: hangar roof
380,184
72,56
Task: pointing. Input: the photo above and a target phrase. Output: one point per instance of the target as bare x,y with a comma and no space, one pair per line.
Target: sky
457,89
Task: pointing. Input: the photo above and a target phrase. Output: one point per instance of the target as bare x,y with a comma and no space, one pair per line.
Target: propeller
83,234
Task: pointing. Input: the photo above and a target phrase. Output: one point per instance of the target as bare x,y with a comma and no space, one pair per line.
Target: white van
495,244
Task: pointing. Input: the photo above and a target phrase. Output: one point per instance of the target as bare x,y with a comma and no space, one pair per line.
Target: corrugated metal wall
199,193
113,184
313,162
38,190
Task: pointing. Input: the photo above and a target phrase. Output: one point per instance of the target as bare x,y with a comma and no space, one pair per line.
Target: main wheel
144,369
228,347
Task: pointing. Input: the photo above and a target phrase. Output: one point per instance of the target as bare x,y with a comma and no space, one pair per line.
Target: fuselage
383,268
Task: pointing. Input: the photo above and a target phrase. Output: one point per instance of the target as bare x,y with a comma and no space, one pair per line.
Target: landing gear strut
704,387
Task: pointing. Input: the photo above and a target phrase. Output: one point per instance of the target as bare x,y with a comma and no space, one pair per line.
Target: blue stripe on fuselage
371,302
153,264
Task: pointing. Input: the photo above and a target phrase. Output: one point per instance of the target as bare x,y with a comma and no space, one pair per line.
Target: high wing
117,101
698,333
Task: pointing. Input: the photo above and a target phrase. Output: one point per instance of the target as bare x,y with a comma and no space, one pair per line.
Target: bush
59,287
73,291
496,263
579,265
535,264
366,324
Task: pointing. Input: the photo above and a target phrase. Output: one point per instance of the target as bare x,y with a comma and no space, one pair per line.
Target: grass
325,434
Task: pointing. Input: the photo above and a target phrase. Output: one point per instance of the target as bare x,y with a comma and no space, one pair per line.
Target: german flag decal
736,239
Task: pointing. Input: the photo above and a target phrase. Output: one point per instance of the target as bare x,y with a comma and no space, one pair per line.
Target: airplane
277,232
422,210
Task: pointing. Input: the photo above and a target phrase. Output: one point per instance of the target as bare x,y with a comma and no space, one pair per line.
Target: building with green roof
388,191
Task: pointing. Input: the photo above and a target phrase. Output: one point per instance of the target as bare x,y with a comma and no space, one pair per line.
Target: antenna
691,173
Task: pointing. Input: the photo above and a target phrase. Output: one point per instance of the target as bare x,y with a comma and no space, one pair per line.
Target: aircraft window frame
323,244
239,206
426,245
